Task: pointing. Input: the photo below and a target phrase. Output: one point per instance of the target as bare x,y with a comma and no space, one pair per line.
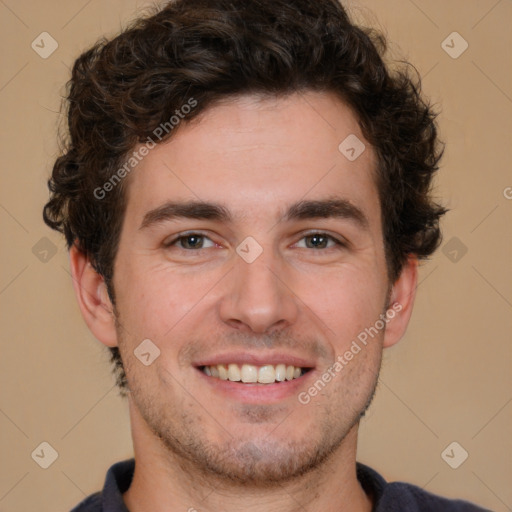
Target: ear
91,293
401,301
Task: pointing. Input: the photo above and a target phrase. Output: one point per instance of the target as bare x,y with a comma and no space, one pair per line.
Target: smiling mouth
251,374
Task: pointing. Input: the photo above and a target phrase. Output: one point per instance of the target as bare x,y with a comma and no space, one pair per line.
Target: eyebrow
313,209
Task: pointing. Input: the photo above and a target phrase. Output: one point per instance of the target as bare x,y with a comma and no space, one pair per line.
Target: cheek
155,300
347,301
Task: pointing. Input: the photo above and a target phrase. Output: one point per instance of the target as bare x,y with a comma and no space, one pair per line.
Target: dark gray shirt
388,497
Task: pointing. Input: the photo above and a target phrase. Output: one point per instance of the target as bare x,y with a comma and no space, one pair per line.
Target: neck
163,481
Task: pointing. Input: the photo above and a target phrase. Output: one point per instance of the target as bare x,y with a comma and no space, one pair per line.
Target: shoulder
389,497
413,498
90,504
110,499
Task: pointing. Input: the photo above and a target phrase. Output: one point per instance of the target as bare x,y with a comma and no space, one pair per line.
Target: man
245,196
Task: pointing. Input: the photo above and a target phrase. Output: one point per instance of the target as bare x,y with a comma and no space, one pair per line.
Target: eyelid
170,241
337,239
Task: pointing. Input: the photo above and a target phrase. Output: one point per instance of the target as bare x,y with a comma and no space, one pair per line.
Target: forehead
256,154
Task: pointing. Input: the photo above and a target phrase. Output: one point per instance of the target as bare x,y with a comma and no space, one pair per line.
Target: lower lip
258,393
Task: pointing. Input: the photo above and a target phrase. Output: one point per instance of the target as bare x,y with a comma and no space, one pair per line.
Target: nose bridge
259,279
257,295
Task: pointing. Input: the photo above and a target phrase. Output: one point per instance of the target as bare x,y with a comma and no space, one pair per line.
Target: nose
257,297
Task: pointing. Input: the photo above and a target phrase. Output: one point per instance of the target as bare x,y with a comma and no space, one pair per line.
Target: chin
262,462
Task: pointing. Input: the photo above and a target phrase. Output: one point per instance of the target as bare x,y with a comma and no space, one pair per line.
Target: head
227,120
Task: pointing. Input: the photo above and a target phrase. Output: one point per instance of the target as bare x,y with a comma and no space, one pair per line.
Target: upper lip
256,359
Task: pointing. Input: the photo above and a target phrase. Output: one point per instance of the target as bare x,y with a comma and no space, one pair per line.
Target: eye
197,241
320,241
191,241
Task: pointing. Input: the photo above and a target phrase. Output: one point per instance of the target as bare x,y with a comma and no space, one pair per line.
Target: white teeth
280,372
223,373
234,373
250,374
267,374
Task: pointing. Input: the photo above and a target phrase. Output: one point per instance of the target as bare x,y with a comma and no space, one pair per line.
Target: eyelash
175,240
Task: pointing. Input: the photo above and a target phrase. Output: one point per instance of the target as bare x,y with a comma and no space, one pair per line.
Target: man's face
204,300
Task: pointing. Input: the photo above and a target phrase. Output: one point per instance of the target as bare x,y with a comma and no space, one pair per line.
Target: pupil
317,240
192,240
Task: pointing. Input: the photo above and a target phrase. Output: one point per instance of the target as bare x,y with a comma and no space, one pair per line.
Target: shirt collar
120,475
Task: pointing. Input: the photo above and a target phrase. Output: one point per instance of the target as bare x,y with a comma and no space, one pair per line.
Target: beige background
448,380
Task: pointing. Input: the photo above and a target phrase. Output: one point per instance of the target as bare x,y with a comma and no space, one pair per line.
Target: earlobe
403,293
93,300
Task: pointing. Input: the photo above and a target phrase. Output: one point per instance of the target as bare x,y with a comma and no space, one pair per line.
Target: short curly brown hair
123,89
